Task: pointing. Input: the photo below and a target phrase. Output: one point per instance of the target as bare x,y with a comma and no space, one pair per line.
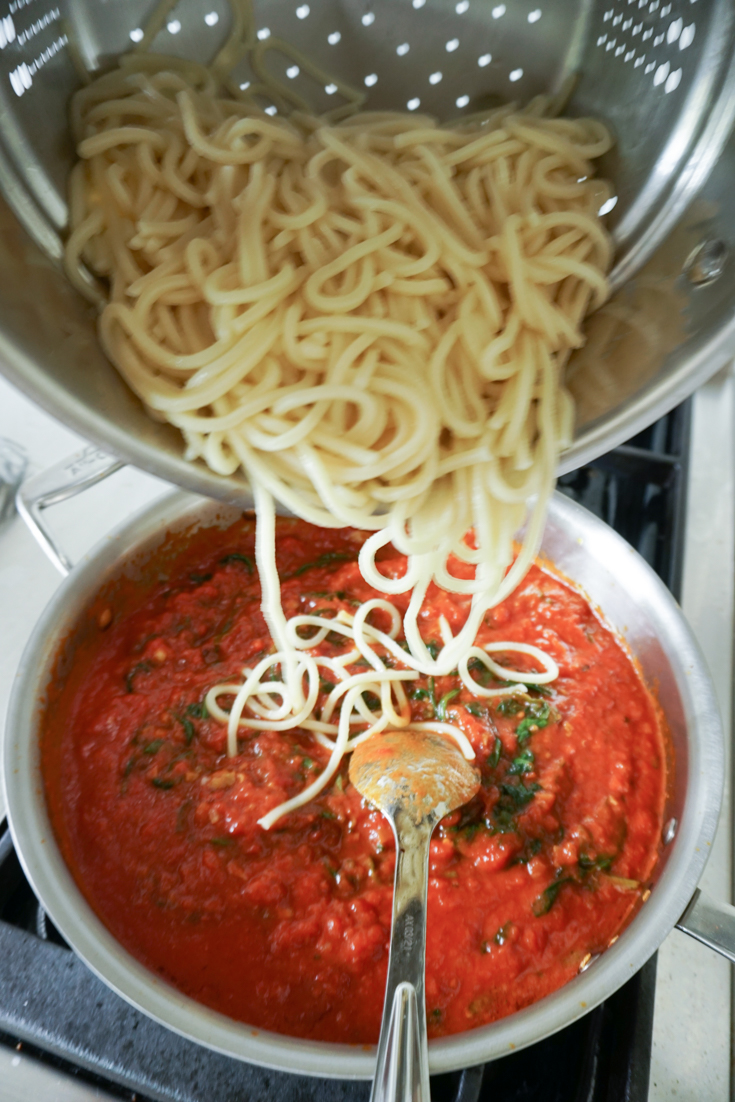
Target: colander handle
66,479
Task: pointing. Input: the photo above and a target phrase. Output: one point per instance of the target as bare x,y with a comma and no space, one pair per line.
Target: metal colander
660,74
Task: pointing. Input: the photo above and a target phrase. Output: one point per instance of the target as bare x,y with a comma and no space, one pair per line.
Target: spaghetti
369,316
260,687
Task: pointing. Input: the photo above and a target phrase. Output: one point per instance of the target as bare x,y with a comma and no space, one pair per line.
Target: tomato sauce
288,929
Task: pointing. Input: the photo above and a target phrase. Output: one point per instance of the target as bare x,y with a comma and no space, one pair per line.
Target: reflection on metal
706,263
629,338
712,922
66,479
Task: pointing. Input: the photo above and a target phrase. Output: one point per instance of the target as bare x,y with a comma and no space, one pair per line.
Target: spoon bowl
422,774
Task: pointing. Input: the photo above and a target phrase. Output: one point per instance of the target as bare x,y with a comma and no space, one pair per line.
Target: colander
659,73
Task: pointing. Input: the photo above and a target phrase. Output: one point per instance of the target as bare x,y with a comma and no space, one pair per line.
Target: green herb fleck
237,557
509,706
327,814
140,667
479,671
342,595
479,710
538,714
520,794
162,782
530,850
325,686
513,799
469,830
189,728
589,864
543,904
441,707
154,747
198,711
323,560
522,764
494,756
221,841
425,694
433,648
199,579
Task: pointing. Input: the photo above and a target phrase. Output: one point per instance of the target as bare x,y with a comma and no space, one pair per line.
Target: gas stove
65,1037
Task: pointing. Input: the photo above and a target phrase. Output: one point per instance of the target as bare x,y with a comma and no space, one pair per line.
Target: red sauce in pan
288,929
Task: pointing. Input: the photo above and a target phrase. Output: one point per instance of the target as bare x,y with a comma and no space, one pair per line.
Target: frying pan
615,579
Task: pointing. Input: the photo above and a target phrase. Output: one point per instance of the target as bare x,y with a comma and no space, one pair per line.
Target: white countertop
27,578
692,1041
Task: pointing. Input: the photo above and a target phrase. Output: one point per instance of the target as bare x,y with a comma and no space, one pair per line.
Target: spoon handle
402,1070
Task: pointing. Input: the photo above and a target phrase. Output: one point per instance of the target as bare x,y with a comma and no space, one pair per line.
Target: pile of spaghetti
369,316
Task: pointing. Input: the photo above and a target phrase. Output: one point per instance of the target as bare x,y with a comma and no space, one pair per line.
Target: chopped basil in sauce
441,708
513,799
324,560
509,706
523,764
237,557
479,710
537,715
154,747
140,667
543,904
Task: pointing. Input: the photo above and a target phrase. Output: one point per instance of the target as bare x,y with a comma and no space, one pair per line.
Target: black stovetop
55,1008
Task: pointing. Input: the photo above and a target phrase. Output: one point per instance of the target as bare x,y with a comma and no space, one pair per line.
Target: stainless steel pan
634,602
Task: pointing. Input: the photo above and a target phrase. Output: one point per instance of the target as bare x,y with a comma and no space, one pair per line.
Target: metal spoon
415,778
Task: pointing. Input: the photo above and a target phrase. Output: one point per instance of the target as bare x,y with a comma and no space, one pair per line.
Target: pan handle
711,922
66,479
